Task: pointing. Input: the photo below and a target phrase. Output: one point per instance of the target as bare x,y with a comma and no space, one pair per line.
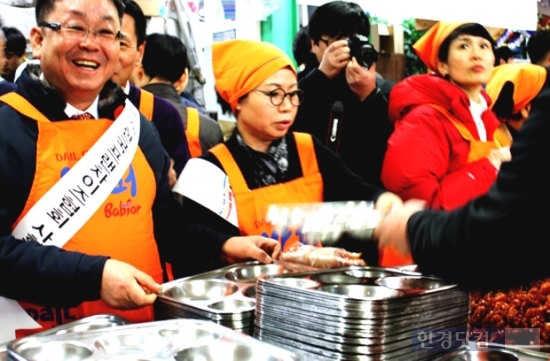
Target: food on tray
325,257
518,308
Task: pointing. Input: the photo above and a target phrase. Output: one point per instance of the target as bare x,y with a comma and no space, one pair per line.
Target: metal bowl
250,291
369,276
201,290
296,282
125,344
54,351
411,284
489,355
361,291
234,305
249,274
338,279
224,351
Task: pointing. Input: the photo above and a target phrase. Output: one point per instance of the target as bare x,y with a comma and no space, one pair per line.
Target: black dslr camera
360,48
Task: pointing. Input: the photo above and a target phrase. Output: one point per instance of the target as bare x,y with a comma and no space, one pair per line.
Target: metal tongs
327,221
538,351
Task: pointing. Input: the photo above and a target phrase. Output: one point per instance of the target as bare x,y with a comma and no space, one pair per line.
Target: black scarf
269,168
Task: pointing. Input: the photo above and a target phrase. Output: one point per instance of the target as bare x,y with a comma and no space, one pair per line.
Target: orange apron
146,104
192,132
252,204
122,228
478,150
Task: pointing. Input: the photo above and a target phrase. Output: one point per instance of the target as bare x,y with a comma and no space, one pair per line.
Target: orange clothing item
240,66
513,86
427,47
146,104
192,132
252,204
478,149
126,208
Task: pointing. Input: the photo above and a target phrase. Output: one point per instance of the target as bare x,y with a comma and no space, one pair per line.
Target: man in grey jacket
163,69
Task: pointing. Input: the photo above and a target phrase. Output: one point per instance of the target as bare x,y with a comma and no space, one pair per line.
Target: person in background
301,49
264,162
73,243
188,100
16,44
346,107
5,86
447,146
503,55
163,114
538,48
163,70
512,89
499,239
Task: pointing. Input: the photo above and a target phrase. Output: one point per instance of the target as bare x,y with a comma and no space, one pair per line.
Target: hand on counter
244,248
124,286
392,229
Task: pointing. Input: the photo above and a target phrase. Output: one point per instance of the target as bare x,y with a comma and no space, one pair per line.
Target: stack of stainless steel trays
189,340
226,296
356,313
96,322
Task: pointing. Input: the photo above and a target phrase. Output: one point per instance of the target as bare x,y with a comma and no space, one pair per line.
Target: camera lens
367,55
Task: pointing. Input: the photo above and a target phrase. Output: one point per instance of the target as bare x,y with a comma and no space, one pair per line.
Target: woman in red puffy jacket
447,146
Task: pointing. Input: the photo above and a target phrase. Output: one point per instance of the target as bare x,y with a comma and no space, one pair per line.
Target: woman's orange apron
122,228
478,150
252,204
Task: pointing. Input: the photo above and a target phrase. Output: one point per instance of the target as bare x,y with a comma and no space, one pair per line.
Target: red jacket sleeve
427,159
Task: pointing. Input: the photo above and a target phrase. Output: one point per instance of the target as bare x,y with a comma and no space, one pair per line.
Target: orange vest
122,228
146,102
478,150
252,204
192,132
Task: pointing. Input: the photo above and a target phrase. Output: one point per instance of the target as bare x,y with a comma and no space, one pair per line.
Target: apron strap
464,132
231,168
146,104
306,152
23,106
192,132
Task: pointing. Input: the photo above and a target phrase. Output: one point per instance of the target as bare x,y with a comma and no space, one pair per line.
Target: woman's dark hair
473,29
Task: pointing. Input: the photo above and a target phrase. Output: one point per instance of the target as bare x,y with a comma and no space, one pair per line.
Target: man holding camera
346,102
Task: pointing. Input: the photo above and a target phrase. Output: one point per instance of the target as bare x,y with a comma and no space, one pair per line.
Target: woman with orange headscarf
447,146
266,164
512,88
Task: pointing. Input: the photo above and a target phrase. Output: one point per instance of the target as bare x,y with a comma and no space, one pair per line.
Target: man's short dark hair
165,57
15,41
133,10
503,53
473,29
538,46
338,19
44,7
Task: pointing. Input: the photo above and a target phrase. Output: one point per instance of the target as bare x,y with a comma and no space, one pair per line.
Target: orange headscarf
240,66
427,47
513,86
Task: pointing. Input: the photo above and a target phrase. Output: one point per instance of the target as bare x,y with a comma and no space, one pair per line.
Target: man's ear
181,83
140,79
36,39
140,51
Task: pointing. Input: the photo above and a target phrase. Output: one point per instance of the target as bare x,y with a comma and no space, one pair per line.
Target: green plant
413,63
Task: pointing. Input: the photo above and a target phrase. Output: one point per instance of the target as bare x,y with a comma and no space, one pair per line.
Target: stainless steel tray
96,322
225,296
162,340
